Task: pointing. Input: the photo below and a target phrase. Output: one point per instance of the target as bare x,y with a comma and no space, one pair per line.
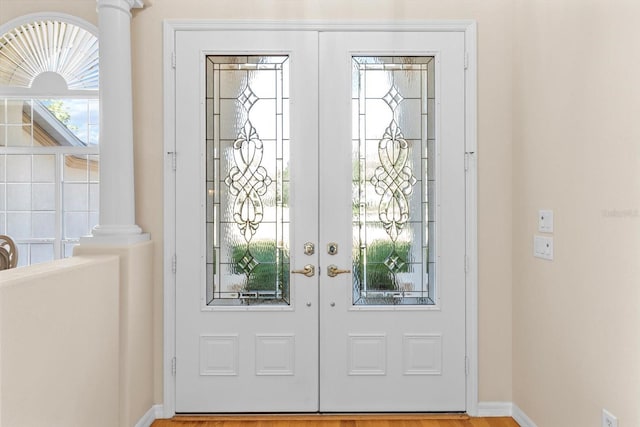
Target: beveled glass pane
247,180
391,245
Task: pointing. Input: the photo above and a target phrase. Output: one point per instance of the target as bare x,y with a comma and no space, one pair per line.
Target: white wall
576,319
59,344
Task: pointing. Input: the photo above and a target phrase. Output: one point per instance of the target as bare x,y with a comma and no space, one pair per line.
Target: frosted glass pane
19,225
44,224
44,168
408,116
94,197
43,197
409,83
76,224
75,197
389,181
18,197
18,168
23,254
2,197
247,180
41,253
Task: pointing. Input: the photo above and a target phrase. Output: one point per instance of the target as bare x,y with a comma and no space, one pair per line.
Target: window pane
247,181
44,225
43,197
18,168
47,193
18,197
19,225
41,252
76,119
391,177
75,197
76,225
44,168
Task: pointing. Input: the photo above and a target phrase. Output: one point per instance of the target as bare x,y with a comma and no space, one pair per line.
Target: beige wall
495,131
59,344
576,331
136,382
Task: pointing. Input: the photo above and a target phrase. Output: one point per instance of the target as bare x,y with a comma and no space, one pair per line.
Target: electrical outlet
545,221
608,419
543,247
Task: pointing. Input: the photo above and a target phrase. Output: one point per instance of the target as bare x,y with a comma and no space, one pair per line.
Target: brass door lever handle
333,271
308,270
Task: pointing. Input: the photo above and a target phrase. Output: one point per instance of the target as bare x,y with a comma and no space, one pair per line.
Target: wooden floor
337,421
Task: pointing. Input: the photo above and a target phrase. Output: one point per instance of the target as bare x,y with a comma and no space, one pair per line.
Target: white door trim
169,313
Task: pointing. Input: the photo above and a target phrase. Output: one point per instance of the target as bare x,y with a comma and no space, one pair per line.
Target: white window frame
20,93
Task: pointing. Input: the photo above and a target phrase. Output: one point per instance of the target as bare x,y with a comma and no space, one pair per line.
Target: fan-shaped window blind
47,46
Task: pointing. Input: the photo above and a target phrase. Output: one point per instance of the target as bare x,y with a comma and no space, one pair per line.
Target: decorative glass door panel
392,191
246,204
393,140
247,180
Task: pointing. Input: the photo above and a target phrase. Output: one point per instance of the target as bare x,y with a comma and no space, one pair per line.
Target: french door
320,221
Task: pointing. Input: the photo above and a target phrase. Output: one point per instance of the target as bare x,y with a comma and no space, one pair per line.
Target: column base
115,235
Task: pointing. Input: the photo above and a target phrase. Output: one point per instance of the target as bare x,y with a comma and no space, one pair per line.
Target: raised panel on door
246,203
392,197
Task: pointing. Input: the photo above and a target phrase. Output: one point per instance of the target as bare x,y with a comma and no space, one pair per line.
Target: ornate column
117,196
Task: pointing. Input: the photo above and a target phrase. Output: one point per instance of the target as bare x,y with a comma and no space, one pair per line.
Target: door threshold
326,415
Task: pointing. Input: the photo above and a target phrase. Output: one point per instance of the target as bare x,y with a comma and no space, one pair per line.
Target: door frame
467,27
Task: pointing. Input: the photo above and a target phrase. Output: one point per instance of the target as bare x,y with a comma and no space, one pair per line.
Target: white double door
341,343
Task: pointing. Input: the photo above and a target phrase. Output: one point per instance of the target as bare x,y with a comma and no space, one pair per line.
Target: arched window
49,156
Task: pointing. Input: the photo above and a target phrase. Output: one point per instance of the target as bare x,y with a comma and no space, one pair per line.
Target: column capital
123,5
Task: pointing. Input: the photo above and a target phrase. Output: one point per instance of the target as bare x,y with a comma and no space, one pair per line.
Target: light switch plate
543,247
545,221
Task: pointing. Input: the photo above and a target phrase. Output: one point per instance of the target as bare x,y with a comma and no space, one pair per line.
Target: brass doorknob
308,270
333,271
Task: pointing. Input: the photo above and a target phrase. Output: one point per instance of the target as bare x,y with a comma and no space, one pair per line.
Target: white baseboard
154,413
495,409
522,418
